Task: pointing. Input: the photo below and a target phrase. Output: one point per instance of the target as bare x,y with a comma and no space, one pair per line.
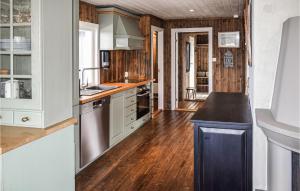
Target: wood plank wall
136,62
87,12
224,79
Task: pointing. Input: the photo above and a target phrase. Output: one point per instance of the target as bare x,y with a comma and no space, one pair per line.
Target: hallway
158,156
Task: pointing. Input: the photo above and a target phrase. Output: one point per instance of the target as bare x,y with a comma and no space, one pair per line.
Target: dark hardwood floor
190,105
157,157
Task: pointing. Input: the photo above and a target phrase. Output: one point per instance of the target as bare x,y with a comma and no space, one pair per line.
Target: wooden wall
125,61
87,12
224,79
136,62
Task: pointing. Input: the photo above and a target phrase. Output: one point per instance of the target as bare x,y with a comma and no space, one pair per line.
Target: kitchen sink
102,87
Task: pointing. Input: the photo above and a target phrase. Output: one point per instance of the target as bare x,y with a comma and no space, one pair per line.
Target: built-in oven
143,101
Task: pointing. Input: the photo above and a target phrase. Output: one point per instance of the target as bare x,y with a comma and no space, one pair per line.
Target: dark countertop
224,110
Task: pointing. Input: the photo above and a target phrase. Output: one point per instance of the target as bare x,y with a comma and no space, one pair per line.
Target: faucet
82,75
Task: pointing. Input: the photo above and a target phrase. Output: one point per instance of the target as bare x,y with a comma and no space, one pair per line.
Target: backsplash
132,61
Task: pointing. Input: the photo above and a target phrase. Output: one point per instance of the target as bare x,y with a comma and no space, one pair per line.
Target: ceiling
175,9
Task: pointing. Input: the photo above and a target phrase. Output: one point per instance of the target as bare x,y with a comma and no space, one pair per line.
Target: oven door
143,103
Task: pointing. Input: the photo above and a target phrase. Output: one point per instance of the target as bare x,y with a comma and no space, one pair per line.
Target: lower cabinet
222,156
123,120
46,164
116,133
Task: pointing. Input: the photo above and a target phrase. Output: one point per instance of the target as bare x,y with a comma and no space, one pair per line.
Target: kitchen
90,96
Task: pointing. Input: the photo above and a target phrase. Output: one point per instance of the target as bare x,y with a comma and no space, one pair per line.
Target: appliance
119,30
104,58
94,130
143,101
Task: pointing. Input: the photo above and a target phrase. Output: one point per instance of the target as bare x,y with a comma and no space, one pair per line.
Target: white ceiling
174,9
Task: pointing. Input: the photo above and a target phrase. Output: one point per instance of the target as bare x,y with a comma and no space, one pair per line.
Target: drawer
6,117
130,118
130,110
130,128
28,118
130,101
130,92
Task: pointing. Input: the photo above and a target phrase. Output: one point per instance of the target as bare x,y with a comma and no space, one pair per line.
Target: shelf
4,52
21,24
5,25
22,76
202,77
23,52
202,84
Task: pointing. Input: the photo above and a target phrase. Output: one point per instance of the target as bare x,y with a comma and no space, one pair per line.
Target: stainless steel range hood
119,30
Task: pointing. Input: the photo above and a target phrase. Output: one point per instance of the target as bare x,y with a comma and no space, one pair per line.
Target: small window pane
22,38
4,64
22,11
5,88
5,39
4,10
22,64
24,88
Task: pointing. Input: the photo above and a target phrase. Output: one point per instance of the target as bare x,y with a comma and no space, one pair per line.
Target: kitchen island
223,143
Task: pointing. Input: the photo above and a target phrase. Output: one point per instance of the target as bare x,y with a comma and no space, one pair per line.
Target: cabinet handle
131,118
132,127
24,119
131,110
0,116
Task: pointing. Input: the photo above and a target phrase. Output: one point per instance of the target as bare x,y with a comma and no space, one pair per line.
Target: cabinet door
223,159
116,118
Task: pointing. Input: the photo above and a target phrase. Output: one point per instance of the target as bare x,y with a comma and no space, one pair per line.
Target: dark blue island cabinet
223,143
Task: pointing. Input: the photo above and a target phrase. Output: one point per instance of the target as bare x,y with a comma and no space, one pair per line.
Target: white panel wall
47,164
57,30
267,19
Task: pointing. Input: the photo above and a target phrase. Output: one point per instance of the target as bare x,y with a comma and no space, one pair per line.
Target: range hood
119,30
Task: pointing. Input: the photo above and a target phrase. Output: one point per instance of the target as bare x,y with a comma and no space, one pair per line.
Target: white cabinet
46,164
35,61
116,118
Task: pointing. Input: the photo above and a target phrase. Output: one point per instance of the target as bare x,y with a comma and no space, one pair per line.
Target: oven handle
140,95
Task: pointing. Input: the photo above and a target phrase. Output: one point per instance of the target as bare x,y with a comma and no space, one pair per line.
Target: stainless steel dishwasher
94,130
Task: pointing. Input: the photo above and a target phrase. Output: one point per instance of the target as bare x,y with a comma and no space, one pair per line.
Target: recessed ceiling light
192,10
235,16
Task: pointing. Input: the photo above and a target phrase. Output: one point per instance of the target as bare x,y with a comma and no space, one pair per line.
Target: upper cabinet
35,60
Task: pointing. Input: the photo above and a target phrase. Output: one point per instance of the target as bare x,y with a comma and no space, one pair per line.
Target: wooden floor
157,157
190,105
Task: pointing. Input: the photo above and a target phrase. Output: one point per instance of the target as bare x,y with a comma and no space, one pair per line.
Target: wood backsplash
132,61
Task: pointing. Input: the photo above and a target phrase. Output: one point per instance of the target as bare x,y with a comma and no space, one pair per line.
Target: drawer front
130,101
130,92
130,118
6,117
130,110
131,128
28,118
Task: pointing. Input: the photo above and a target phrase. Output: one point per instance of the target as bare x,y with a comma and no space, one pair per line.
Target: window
88,52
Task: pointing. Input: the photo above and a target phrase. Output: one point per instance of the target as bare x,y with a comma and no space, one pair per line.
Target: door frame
174,60
160,63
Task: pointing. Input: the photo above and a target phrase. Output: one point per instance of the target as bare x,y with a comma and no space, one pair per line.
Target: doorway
157,40
191,56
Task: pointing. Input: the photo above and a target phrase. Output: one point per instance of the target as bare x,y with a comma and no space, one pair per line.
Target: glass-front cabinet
15,49
20,63
35,62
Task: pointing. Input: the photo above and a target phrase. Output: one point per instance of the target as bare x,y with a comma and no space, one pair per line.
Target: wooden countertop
224,110
123,87
13,137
